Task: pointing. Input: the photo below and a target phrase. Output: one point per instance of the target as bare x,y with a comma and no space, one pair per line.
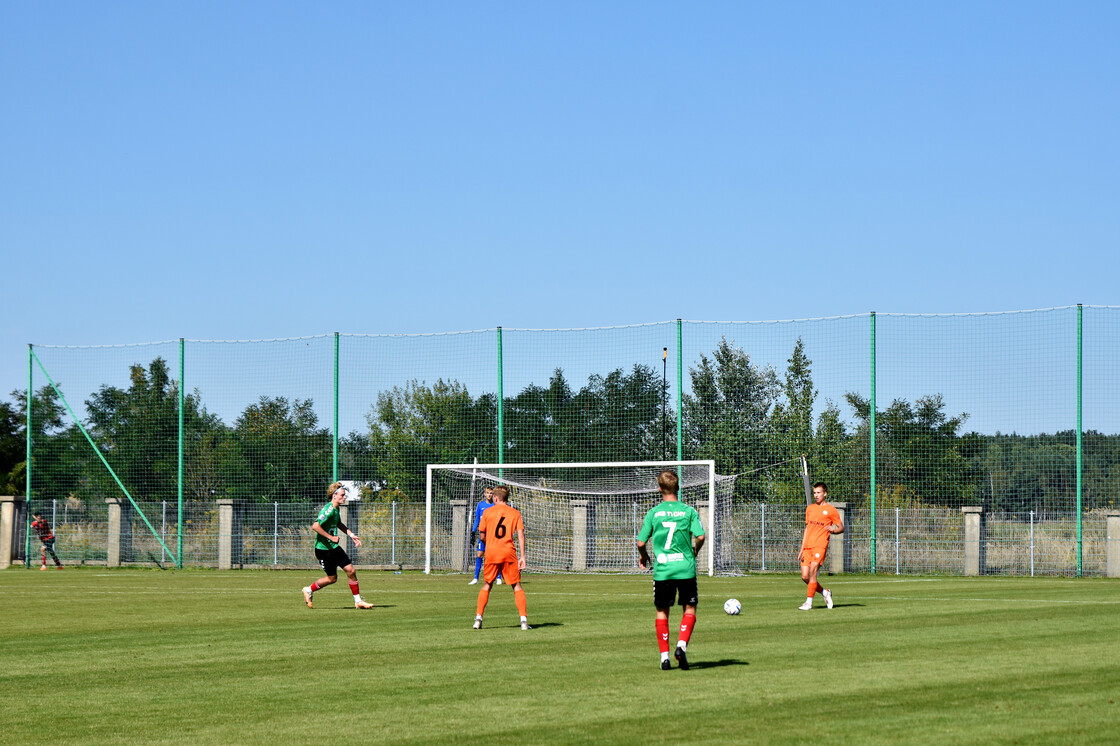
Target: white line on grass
1016,600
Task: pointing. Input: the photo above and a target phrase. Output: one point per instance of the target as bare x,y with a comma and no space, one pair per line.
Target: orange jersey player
497,527
822,520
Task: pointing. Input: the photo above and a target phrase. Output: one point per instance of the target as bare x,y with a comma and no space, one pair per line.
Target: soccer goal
579,517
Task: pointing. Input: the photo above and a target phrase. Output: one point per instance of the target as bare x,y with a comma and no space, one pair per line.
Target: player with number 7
675,533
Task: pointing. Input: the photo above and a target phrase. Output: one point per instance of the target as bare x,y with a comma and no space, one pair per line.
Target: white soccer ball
732,606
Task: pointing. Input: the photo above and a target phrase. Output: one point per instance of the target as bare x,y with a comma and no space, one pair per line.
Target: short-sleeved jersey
329,519
499,522
482,506
669,529
817,520
43,529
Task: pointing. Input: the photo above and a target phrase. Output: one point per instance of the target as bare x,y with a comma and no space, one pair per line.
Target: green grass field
92,655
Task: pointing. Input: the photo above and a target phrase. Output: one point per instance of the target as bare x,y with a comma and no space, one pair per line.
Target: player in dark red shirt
47,537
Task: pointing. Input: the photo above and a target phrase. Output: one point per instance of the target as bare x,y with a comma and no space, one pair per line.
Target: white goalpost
580,517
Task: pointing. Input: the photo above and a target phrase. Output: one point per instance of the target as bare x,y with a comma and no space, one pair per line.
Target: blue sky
254,170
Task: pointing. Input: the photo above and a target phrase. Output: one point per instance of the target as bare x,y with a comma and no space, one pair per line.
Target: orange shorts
510,572
809,555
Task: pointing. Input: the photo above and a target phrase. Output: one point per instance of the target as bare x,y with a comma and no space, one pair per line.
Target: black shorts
332,559
665,592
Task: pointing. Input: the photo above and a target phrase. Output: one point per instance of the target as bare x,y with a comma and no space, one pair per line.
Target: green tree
286,455
919,459
59,452
12,447
616,417
416,424
727,415
791,426
137,431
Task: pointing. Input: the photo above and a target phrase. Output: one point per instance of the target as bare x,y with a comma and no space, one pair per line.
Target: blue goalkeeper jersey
482,505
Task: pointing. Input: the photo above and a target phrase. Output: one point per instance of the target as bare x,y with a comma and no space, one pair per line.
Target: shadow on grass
354,608
718,664
841,606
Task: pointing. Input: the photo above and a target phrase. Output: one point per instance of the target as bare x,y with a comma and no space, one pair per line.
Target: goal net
579,517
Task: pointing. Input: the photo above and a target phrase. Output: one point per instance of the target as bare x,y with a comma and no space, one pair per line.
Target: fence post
229,534
897,513
874,489
113,550
275,533
1079,535
163,532
1032,543
179,477
501,406
28,460
680,395
763,537
393,547
460,534
974,559
1112,540
580,524
839,561
10,514
334,427
354,523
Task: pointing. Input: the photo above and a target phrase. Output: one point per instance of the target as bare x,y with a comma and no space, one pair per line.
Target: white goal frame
710,530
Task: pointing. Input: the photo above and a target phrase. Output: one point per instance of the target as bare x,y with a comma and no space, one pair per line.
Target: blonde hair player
328,527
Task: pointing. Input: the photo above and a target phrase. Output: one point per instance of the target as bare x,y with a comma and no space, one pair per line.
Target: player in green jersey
327,527
674,533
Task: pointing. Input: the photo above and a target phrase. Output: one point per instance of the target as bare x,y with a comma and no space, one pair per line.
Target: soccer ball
732,606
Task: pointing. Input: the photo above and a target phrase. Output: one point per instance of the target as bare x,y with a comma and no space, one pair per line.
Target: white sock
664,656
682,645
524,619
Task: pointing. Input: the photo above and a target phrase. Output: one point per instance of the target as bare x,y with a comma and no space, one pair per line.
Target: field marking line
991,600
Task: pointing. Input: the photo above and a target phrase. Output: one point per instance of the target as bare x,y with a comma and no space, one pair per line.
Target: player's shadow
840,606
542,625
718,664
375,606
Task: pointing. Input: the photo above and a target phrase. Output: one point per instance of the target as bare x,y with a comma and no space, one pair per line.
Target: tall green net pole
501,406
334,459
1079,440
680,395
874,535
27,469
179,489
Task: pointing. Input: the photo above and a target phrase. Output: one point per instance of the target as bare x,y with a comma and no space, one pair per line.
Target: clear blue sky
267,169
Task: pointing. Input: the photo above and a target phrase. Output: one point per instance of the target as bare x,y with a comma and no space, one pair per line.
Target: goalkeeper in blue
487,501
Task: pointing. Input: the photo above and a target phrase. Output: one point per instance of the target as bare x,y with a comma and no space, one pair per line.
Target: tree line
752,420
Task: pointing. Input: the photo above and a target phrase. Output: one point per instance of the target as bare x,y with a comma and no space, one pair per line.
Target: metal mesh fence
751,537
1017,413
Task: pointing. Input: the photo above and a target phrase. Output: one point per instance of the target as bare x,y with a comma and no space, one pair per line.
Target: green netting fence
908,418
